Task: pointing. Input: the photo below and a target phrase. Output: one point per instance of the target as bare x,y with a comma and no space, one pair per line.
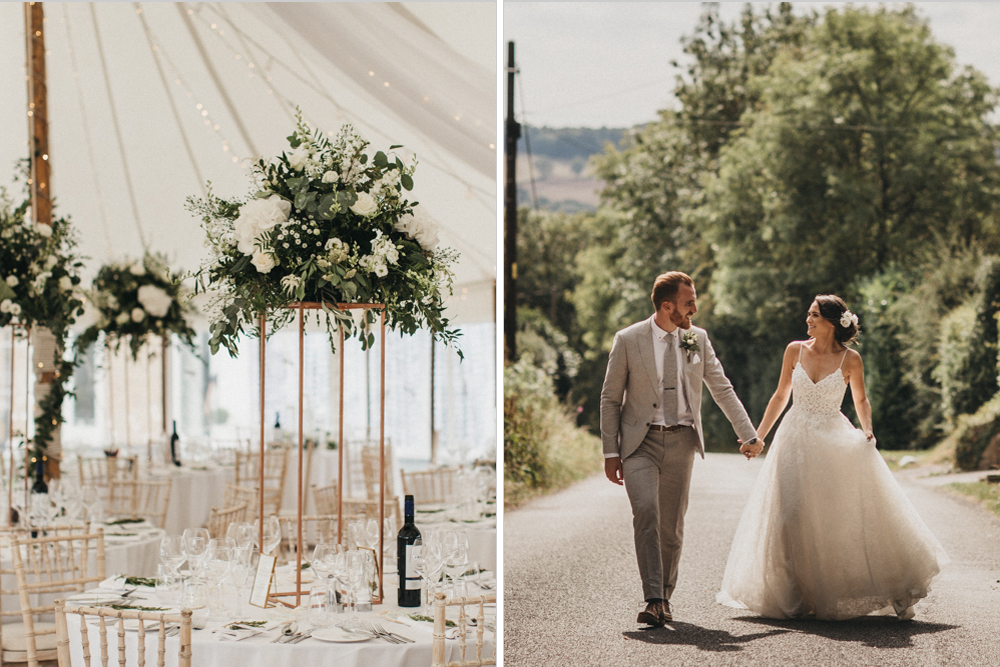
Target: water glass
321,606
168,585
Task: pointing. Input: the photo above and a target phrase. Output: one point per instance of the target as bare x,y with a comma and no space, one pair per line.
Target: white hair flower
848,318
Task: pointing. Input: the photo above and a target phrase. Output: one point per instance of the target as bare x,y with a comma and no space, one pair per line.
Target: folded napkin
117,584
238,631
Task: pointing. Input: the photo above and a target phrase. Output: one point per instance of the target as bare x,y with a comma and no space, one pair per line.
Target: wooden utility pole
40,187
512,132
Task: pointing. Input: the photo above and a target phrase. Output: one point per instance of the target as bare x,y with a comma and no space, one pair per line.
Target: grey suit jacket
629,396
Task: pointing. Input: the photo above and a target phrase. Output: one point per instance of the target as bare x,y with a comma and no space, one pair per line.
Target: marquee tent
150,101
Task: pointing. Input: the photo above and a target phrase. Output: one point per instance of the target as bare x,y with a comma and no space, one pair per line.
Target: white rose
7,233
15,309
112,302
5,305
122,318
297,158
138,314
263,261
365,205
155,300
43,229
65,284
51,262
420,227
137,269
12,281
331,177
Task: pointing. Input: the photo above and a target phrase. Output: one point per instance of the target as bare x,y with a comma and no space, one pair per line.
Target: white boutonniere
689,343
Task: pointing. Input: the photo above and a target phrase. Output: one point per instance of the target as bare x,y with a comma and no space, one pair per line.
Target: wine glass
240,570
431,563
322,561
172,551
371,534
195,547
357,567
456,562
272,534
242,533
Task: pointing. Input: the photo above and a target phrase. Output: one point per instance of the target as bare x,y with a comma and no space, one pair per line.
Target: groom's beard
682,321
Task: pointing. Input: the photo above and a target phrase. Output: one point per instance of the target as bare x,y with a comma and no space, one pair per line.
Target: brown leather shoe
665,608
652,615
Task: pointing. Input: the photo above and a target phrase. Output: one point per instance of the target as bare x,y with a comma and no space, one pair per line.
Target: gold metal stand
301,307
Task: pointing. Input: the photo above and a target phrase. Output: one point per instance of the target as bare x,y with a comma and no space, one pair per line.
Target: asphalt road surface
572,590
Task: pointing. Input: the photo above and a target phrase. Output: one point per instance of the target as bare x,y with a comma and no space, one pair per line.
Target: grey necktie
670,387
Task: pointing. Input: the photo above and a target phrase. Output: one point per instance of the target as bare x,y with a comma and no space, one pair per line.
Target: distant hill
559,161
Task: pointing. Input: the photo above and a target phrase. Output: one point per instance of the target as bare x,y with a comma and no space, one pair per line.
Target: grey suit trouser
657,479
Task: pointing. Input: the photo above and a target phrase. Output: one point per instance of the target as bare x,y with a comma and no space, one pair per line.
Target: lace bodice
817,398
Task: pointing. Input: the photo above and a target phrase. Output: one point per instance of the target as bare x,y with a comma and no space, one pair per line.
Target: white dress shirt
684,415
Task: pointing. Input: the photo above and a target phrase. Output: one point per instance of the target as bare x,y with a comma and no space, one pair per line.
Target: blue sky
595,64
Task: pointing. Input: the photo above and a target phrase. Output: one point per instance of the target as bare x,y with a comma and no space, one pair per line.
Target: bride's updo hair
832,307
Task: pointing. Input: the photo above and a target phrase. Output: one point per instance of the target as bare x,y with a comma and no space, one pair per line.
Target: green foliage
955,352
973,433
546,348
543,448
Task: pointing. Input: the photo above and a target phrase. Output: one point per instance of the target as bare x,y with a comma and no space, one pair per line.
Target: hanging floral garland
136,301
39,286
328,223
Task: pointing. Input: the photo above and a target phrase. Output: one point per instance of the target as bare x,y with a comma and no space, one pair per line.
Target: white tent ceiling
147,101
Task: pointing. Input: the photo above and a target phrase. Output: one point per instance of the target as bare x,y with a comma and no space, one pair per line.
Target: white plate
133,624
336,634
95,596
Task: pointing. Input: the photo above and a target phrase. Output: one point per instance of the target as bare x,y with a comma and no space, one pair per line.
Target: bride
827,531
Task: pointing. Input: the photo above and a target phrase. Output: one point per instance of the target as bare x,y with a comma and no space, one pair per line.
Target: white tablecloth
193,493
257,651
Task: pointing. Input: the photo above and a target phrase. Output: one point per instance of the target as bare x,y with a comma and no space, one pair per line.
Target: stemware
217,562
430,565
272,534
195,547
172,552
240,570
371,534
456,563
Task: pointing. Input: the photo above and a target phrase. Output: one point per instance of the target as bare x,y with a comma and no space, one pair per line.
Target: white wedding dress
827,531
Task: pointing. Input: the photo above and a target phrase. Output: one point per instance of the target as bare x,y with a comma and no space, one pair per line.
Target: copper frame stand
27,418
301,307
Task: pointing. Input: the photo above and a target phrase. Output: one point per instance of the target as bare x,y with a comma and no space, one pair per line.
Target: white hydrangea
155,300
258,216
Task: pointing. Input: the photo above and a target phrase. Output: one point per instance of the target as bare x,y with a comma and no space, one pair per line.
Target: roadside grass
987,494
893,457
570,454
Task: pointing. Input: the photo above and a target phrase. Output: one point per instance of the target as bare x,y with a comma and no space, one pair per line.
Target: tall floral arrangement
136,301
328,222
39,286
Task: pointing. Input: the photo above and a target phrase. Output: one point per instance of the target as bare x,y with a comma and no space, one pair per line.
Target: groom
651,428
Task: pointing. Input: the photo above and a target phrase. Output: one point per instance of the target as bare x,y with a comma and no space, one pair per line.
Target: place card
262,581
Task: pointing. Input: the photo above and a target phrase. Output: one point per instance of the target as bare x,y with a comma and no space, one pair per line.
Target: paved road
571,587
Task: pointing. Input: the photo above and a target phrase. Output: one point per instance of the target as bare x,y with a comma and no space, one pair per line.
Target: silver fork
370,627
400,638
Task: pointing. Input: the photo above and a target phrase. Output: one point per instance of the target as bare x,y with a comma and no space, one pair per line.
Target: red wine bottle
407,541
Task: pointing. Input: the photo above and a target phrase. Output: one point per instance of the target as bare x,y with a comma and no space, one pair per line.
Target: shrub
543,448
972,433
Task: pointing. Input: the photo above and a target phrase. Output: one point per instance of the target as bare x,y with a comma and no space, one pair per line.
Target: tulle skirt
827,531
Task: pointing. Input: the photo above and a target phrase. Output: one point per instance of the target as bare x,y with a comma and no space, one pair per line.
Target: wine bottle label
412,582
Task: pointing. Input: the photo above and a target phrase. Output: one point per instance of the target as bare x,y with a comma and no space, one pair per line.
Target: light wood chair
146,499
325,498
275,466
430,486
370,463
14,650
143,617
315,530
239,495
438,643
219,520
55,564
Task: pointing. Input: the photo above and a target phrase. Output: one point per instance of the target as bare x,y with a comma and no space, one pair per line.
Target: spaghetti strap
802,344
842,360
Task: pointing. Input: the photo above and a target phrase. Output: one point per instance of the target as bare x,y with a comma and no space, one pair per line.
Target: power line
527,143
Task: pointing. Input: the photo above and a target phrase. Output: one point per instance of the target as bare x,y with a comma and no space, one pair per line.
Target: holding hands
751,451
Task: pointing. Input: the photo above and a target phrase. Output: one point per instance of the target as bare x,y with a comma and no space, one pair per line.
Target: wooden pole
40,175
512,132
